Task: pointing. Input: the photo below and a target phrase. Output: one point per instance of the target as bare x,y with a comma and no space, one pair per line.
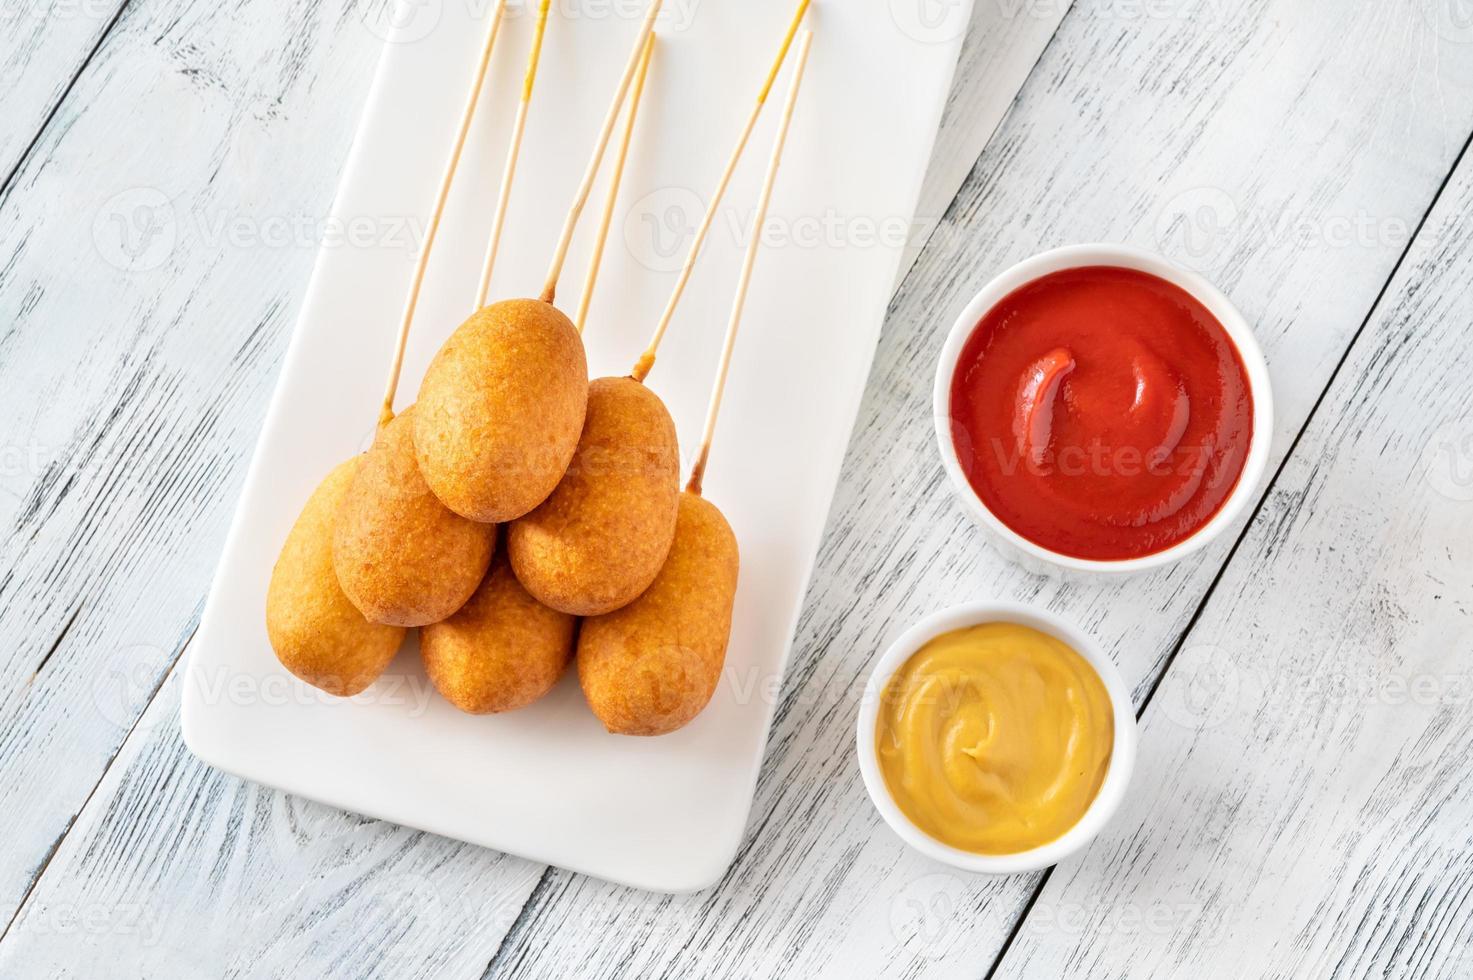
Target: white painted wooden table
1303,804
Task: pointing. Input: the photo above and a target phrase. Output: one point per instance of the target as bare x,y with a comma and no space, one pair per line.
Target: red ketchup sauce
1101,413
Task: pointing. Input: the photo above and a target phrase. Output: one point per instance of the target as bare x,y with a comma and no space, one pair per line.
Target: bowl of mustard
996,737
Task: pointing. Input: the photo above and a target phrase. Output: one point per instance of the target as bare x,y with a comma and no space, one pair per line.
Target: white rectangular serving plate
547,782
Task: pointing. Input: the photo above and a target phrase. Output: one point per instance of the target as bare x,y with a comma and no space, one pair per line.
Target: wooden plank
151,253
1126,124
1004,41
180,870
199,912
1302,806
830,889
43,45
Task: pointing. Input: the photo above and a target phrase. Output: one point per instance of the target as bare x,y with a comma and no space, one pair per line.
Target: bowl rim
1122,755
1129,257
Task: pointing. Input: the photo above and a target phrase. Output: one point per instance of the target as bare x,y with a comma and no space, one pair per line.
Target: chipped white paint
142,325
1286,148
822,886
43,45
1303,798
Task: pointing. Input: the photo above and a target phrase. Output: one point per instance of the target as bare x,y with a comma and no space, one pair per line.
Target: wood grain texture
1118,120
44,45
149,255
1003,43
148,555
1285,148
1302,804
179,870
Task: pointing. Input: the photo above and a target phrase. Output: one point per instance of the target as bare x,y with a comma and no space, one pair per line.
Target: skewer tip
642,366
693,485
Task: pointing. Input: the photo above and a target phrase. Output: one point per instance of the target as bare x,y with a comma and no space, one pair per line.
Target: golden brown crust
318,634
501,651
403,557
599,540
650,667
500,410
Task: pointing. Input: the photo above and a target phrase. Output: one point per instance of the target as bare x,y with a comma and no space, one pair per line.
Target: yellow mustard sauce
995,738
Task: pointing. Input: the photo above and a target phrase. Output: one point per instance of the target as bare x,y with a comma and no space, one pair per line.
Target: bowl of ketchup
1101,409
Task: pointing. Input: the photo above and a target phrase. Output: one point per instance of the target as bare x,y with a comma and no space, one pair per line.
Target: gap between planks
548,870
56,643
61,99
1169,659
1263,498
61,838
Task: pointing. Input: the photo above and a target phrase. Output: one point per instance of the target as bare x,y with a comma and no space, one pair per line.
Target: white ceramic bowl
1117,777
1034,555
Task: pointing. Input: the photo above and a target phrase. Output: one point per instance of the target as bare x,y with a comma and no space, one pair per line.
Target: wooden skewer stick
647,359
549,289
614,180
698,471
513,150
386,413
